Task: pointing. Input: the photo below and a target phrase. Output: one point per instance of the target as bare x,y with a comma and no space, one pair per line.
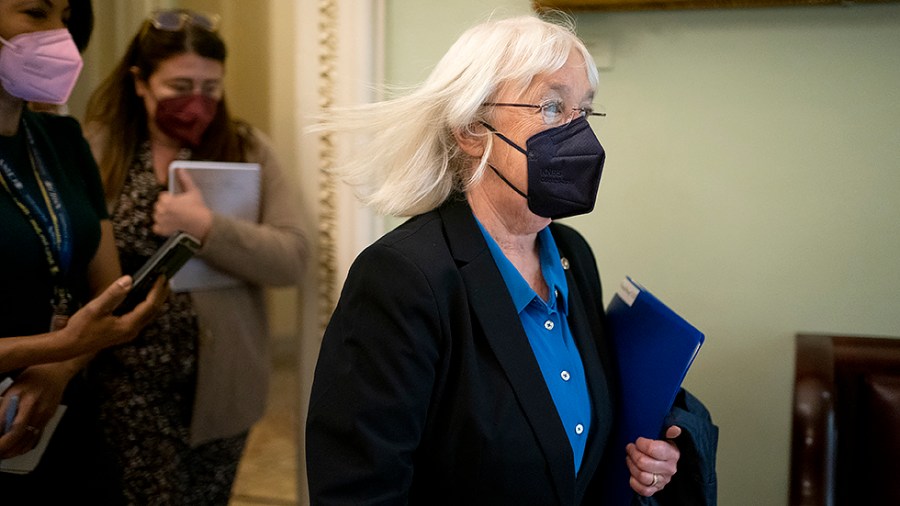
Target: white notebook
228,188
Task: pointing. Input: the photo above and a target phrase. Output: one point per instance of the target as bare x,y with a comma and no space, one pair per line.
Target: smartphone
11,412
170,257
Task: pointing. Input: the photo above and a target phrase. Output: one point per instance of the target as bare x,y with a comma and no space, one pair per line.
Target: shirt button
579,429
548,325
565,375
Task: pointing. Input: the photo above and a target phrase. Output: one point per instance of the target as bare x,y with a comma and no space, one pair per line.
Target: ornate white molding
350,47
328,223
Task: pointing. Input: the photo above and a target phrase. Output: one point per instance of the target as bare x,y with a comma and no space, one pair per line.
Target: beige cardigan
234,357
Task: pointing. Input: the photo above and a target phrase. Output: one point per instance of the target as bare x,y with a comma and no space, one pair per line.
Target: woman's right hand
185,211
94,326
39,387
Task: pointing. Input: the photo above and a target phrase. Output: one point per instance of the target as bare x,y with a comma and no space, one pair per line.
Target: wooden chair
845,447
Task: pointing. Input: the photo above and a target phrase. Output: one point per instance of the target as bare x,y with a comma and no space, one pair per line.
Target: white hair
411,163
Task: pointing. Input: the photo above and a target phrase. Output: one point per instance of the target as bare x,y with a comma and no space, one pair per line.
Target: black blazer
426,390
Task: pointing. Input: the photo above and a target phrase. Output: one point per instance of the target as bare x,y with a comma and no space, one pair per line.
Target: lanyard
49,221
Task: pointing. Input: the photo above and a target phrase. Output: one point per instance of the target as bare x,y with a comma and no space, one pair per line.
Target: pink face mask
40,66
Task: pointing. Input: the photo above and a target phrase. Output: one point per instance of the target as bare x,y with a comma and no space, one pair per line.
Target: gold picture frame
637,5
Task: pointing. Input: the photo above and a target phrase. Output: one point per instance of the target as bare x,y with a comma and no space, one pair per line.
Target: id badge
62,307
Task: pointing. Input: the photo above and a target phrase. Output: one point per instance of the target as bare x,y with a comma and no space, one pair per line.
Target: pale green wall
419,32
752,182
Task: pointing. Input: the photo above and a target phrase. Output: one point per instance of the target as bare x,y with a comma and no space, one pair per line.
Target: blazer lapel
494,310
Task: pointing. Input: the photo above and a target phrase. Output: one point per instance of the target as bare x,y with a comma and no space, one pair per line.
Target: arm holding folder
654,347
246,218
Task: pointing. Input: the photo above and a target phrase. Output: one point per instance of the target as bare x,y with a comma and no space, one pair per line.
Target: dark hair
117,112
81,22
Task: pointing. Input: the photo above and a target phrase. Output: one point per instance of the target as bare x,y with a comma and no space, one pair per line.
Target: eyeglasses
552,111
176,20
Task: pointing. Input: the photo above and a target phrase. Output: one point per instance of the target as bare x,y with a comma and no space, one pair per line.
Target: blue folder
654,348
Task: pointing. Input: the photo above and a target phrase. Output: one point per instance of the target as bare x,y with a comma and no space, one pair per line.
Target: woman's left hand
186,211
652,463
40,389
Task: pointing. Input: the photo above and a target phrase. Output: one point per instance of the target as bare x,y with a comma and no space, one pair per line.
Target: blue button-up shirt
548,333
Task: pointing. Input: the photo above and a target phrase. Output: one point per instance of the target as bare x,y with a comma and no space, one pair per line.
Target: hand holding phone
170,257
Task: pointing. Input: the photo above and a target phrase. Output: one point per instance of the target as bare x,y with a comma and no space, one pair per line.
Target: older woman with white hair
466,361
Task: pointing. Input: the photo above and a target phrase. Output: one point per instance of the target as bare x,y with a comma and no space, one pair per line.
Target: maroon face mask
186,117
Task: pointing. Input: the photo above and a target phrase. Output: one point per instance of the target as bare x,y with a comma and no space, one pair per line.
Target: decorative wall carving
327,228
